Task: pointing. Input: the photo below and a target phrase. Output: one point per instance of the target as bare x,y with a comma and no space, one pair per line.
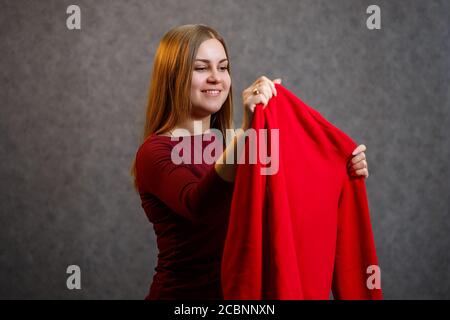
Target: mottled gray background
72,107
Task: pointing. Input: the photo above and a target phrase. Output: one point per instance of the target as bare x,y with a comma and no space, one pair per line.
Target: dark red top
188,205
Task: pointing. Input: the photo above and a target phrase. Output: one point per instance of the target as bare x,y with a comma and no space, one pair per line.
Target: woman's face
210,79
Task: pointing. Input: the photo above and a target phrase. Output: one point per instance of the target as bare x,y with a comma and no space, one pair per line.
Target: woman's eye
204,68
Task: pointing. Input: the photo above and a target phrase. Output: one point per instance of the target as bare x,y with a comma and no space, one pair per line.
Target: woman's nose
214,76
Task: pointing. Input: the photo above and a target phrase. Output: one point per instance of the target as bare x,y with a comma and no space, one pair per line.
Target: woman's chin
205,111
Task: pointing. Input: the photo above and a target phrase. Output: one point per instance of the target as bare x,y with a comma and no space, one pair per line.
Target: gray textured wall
72,109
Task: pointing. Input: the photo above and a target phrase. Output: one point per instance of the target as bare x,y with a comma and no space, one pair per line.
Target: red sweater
305,230
188,205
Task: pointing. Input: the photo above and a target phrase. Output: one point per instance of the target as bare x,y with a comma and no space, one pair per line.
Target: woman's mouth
211,93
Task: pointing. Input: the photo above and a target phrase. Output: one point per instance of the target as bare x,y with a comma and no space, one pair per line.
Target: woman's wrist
247,122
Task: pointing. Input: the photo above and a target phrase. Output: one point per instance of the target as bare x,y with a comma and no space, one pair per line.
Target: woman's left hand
358,164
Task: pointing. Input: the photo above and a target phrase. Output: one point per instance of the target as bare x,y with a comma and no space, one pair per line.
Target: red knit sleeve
184,192
355,251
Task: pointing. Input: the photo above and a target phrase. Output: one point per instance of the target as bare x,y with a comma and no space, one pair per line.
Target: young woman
188,204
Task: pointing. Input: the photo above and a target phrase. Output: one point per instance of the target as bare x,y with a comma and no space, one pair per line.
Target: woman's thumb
277,81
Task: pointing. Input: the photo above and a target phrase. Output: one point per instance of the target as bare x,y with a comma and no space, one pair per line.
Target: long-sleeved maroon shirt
188,205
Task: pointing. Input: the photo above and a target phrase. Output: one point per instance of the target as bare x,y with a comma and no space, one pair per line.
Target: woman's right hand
251,97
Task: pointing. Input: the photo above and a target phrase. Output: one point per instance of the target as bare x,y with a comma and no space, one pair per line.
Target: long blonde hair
170,86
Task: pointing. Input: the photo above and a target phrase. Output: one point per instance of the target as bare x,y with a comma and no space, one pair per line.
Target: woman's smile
212,93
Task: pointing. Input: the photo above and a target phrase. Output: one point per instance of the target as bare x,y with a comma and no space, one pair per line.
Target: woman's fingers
359,149
361,172
266,89
264,95
264,100
264,82
272,86
359,157
360,165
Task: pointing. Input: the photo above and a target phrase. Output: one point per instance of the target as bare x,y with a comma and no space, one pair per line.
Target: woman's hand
259,92
358,164
262,90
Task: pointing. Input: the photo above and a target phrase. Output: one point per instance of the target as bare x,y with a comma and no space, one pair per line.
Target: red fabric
305,230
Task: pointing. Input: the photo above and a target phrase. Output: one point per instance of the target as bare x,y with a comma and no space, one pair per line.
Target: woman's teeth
212,92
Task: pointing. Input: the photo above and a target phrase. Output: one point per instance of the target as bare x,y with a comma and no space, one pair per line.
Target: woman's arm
227,171
266,88
176,185
259,92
